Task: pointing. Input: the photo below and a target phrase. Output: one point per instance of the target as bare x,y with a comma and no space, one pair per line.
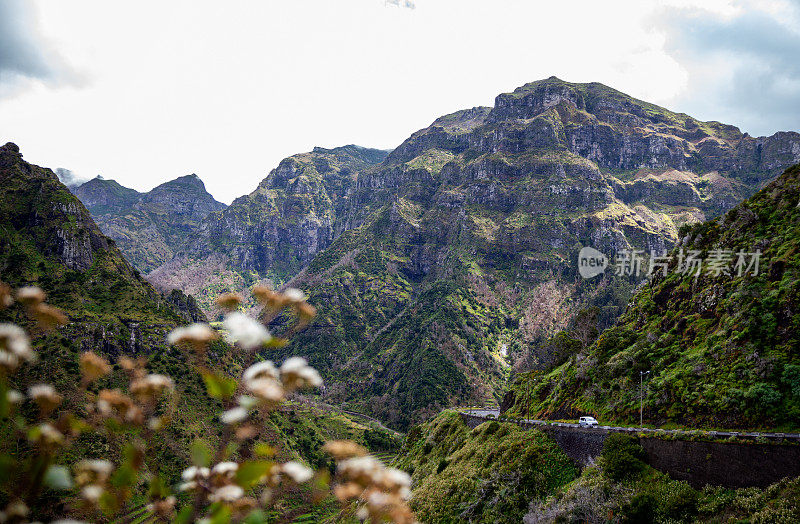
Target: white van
587,422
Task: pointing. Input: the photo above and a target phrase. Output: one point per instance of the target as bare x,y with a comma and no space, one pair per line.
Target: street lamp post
641,396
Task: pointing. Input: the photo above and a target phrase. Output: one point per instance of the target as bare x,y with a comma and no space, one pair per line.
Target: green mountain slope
272,233
487,474
148,227
48,239
462,256
722,349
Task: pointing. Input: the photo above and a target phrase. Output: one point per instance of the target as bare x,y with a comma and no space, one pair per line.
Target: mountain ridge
463,238
149,227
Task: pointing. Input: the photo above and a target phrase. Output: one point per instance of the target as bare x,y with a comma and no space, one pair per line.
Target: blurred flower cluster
227,482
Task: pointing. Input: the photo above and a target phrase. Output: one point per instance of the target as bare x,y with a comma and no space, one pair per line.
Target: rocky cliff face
462,252
272,233
48,238
720,345
148,227
439,266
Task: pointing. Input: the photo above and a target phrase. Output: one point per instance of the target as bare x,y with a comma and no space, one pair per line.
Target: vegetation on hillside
721,349
486,474
109,455
622,488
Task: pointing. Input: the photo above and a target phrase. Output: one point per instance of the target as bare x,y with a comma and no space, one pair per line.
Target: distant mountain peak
149,226
10,147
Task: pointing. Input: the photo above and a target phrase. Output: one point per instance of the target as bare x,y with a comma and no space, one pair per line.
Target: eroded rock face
272,233
463,240
48,239
149,227
475,227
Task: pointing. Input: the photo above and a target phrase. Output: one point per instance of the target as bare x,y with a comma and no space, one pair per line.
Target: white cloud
401,3
742,63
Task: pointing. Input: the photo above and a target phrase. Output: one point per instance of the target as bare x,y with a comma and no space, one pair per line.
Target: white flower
194,472
233,415
30,295
395,477
297,472
45,396
197,333
296,373
101,468
41,391
14,339
151,386
229,493
245,331
266,389
225,468
260,370
14,397
293,365
294,295
8,360
92,492
378,499
366,465
187,486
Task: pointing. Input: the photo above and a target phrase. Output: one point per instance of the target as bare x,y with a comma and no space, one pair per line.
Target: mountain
460,256
148,227
438,266
48,239
273,232
721,349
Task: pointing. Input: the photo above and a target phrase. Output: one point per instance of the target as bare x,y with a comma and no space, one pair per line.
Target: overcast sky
146,91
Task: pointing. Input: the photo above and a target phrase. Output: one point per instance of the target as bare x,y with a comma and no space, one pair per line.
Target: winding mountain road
493,414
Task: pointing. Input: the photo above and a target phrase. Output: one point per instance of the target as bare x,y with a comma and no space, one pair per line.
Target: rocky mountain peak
184,182
9,154
10,147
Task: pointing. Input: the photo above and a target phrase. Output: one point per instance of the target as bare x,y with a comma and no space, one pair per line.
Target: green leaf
276,343
220,514
218,386
201,453
257,516
184,516
158,487
251,472
263,449
124,476
58,477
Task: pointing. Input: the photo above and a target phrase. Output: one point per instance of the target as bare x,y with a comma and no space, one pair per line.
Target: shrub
765,396
640,509
677,501
238,479
791,377
622,457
